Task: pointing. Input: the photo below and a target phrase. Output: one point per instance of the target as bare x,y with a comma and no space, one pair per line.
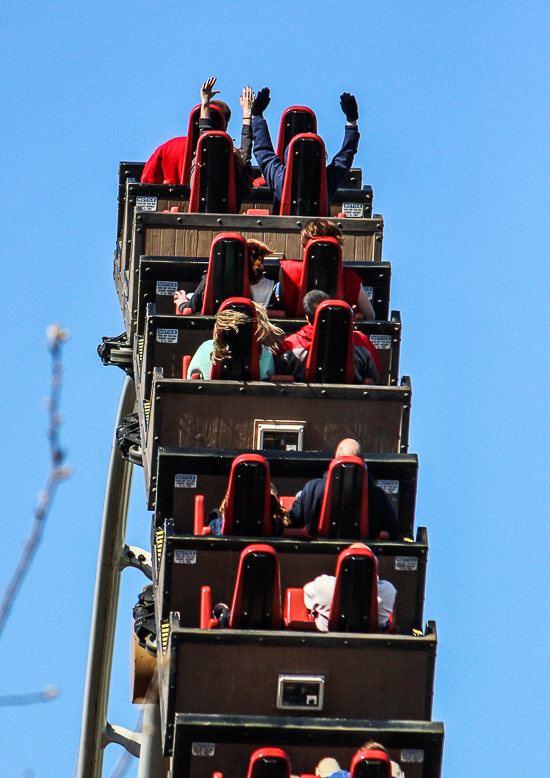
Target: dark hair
321,228
311,301
224,108
373,746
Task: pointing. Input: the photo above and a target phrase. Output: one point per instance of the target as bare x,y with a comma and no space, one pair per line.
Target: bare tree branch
45,695
58,472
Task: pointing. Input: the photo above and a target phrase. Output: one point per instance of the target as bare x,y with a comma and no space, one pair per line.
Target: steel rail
110,564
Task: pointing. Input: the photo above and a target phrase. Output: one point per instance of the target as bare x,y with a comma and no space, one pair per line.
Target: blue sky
454,117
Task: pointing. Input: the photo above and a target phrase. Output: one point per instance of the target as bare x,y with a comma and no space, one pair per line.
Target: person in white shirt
318,596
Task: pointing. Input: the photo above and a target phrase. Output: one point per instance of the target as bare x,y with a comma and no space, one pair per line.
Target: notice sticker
369,291
146,203
353,210
408,563
184,481
167,336
203,749
390,487
381,341
182,557
167,287
412,755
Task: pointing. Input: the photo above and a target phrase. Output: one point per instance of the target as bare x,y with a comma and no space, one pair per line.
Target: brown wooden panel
232,759
180,584
202,421
362,680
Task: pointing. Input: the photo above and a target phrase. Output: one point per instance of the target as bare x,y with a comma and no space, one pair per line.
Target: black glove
261,102
349,106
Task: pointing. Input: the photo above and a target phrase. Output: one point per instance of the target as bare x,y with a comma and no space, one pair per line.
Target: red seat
269,763
321,269
227,271
305,184
248,508
295,120
213,187
257,597
345,509
244,364
370,763
355,602
193,134
331,356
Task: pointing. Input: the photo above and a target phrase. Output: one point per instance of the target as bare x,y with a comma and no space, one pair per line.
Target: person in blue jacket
306,509
273,170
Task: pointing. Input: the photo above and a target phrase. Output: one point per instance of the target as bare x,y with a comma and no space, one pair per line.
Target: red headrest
288,198
275,617
312,260
237,480
223,237
370,755
250,310
229,195
328,517
289,118
336,604
255,766
343,344
218,122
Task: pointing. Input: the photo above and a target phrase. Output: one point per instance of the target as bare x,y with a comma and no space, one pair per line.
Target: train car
243,672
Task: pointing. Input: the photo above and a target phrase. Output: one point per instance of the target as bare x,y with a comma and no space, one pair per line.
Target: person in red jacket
165,165
290,275
293,353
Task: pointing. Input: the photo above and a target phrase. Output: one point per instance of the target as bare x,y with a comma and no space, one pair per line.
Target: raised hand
349,107
261,102
207,90
246,100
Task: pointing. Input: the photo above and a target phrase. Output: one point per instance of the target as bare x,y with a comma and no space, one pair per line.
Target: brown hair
372,745
321,228
278,513
268,334
224,108
257,251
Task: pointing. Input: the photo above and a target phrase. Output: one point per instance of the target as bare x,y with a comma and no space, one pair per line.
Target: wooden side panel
218,569
202,421
371,681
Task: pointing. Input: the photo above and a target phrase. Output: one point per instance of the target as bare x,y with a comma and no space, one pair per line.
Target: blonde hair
267,334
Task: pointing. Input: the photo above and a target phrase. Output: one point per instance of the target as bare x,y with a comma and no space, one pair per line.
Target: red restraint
305,164
370,763
330,358
269,763
345,509
248,509
193,134
295,120
257,597
227,271
215,168
322,269
355,602
245,361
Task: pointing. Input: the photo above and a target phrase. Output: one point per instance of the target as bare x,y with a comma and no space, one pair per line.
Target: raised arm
246,99
207,93
271,166
342,162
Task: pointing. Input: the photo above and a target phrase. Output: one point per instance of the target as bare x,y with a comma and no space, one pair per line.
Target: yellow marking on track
164,632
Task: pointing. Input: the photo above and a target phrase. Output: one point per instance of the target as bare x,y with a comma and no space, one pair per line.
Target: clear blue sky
454,117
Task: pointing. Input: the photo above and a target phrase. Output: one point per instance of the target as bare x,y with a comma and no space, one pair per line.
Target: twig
46,695
58,472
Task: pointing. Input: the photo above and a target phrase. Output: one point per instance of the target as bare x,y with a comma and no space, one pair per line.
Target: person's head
278,513
224,108
372,745
321,228
348,448
267,334
257,252
311,302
